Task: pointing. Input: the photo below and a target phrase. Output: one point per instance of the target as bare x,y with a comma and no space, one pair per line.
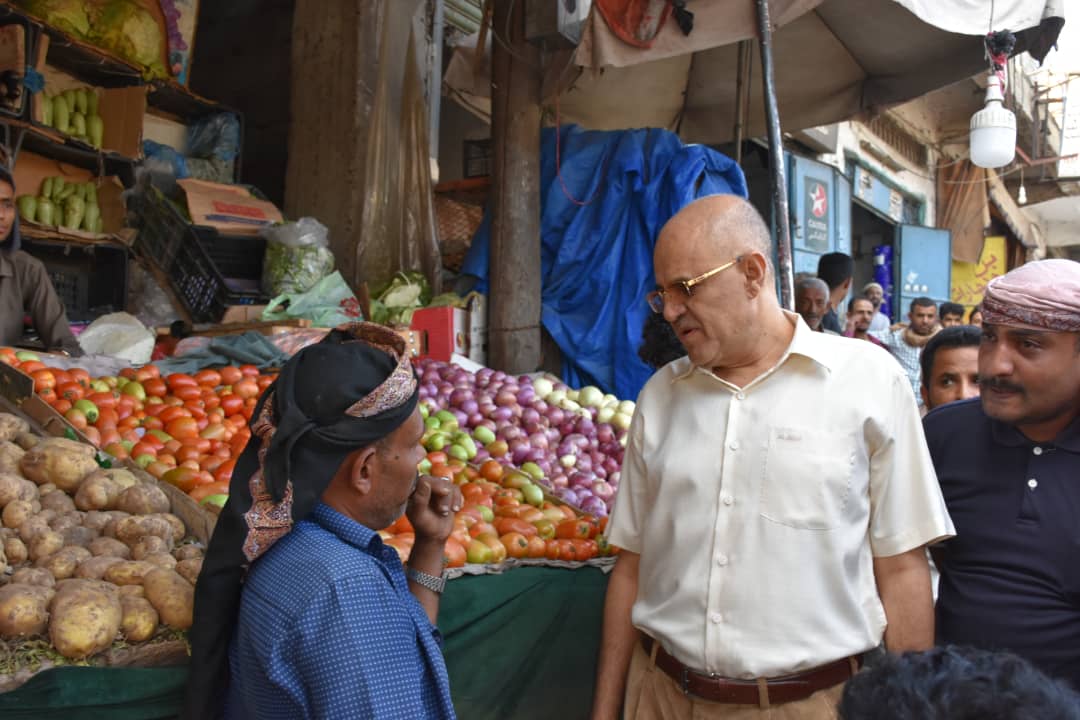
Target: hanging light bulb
993,130
1021,197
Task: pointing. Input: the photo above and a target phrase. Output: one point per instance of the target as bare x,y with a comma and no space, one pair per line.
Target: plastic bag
167,156
213,146
329,304
118,335
297,256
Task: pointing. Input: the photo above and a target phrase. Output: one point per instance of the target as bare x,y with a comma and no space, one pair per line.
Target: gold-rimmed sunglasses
686,287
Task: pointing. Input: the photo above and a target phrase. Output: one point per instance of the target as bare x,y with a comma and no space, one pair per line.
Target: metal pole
740,98
776,159
435,78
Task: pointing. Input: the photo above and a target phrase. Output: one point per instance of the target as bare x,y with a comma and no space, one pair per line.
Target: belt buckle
685,681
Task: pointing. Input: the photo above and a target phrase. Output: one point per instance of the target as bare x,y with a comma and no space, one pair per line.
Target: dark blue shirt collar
347,529
1010,436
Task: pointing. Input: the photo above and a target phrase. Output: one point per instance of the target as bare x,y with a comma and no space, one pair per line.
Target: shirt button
740,396
1033,483
721,559
734,445
1037,451
727,500
716,618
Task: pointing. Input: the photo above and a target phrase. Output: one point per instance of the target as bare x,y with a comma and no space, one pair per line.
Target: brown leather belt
762,692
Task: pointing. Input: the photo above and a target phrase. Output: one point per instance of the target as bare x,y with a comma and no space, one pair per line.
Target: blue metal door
820,200
925,265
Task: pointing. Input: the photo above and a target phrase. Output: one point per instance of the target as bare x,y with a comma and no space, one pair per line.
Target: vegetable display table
522,645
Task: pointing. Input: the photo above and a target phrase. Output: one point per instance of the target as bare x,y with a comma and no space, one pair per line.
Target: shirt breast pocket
807,476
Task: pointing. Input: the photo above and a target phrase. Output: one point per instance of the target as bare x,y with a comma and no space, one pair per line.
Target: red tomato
199,492
102,400
224,471
246,389
180,380
60,405
182,427
232,404
185,478
155,387
188,392
92,435
43,380
208,378
171,412
249,371
516,545
230,374
80,376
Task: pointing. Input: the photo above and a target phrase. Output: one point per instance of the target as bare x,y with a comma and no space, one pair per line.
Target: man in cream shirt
776,499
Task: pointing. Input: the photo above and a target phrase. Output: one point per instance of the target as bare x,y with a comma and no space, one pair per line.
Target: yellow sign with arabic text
969,279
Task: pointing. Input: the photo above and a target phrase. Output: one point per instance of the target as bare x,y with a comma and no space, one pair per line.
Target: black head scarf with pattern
344,393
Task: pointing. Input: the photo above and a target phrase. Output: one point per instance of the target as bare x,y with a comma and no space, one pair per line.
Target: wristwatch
432,583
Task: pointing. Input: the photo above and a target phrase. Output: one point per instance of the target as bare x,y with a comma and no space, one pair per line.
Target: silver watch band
431,582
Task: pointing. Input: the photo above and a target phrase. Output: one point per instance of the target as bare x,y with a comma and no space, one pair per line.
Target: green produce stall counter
521,645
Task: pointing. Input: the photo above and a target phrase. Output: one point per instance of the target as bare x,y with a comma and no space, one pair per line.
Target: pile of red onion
574,438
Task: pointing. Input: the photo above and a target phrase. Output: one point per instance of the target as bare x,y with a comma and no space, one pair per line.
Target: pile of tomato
184,429
497,522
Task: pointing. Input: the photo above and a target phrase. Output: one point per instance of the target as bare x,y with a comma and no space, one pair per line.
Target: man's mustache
999,384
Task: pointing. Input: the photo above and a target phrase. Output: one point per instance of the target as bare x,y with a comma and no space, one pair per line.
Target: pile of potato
87,555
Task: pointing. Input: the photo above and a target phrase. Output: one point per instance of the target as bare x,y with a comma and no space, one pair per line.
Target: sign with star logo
816,216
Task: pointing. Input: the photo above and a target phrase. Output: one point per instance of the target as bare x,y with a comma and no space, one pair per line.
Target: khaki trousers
652,695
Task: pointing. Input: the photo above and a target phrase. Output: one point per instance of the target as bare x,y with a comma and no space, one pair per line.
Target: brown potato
47,488
172,596
17,512
85,619
16,551
177,525
27,440
80,536
117,516
109,547
94,568
57,501
33,527
132,591
148,545
140,619
98,491
45,544
188,552
96,520
24,610
131,529
11,426
63,523
122,477
143,499
129,572
189,569
10,487
34,576
60,565
60,461
10,457
163,560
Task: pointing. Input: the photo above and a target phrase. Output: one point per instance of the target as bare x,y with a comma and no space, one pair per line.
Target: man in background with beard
906,342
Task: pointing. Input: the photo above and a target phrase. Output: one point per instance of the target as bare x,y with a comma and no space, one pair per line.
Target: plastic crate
207,270
90,280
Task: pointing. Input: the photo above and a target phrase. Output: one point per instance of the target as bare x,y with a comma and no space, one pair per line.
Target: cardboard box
121,109
31,170
166,130
455,331
242,314
229,209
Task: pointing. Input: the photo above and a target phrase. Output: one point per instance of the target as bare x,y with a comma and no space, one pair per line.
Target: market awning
834,59
1017,220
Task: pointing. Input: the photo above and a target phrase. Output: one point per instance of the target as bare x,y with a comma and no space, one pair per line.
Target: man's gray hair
812,282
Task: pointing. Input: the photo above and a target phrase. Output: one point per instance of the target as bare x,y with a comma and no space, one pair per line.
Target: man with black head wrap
300,609
25,287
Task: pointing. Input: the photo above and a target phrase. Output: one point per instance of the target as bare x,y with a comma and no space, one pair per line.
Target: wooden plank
514,307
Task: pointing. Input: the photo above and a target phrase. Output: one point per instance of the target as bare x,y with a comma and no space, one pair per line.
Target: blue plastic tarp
598,228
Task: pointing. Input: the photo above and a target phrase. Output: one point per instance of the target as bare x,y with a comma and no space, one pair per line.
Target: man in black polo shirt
1009,467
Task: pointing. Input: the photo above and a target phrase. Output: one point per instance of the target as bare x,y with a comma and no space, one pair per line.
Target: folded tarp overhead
834,59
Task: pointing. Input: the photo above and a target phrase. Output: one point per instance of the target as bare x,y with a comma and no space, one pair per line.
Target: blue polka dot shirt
329,629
